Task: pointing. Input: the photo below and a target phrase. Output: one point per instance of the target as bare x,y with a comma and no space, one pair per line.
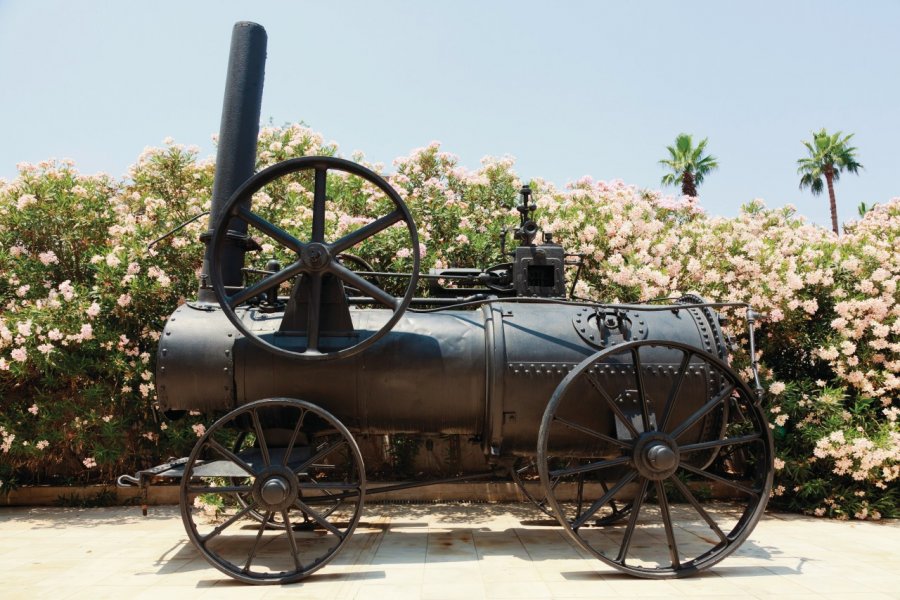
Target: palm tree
689,165
829,155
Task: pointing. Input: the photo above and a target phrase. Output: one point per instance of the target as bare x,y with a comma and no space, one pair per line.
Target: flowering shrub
82,300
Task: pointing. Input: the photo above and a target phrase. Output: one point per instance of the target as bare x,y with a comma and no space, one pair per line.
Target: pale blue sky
568,88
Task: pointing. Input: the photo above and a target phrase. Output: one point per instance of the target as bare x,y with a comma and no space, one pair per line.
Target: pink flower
89,462
25,200
776,388
93,310
199,429
48,257
87,332
67,290
33,409
42,444
19,354
24,328
124,300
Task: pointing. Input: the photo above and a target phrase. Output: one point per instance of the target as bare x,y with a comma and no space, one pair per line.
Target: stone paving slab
440,552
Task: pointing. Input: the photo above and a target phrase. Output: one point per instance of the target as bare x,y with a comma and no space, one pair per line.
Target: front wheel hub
275,489
656,455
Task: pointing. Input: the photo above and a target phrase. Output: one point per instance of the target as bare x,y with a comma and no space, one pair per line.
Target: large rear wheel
674,432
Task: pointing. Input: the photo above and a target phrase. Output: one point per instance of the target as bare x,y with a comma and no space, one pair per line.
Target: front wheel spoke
632,522
297,428
615,408
233,519
259,534
276,233
744,439
328,449
231,456
722,480
591,432
289,532
667,522
594,466
676,388
703,411
354,280
603,500
318,518
260,437
365,232
265,285
687,493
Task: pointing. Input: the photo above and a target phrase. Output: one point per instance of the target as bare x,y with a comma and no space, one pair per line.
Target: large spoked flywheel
673,433
273,491
314,261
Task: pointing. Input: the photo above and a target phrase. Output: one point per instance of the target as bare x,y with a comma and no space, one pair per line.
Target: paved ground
431,552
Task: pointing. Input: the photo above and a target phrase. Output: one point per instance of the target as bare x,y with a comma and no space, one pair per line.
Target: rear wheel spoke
667,522
639,382
732,484
687,493
594,466
676,388
615,408
603,500
632,522
591,432
703,411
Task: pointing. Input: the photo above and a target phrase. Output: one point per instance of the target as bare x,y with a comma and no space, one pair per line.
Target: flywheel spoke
365,232
318,222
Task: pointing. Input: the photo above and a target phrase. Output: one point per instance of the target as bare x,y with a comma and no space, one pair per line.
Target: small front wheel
273,491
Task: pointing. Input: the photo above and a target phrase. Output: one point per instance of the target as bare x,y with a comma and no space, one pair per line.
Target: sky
567,88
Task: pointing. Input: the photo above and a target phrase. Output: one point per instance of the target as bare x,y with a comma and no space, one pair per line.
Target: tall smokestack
236,156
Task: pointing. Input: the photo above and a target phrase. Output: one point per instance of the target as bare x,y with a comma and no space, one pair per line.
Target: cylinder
487,374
